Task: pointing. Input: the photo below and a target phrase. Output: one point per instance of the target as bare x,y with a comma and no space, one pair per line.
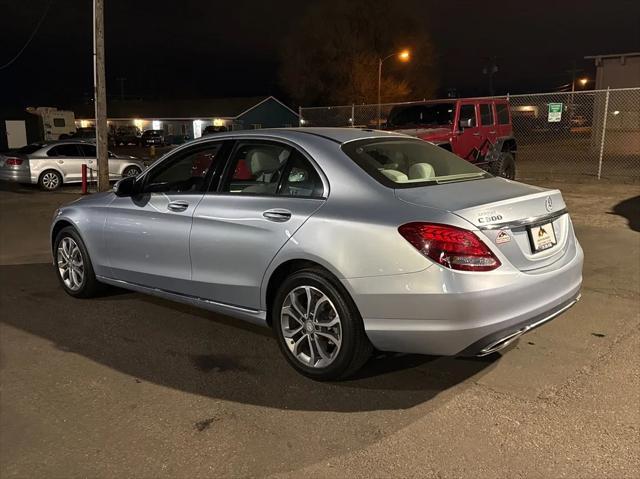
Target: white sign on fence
555,112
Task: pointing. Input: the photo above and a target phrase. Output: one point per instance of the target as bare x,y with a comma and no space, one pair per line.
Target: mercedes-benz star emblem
548,203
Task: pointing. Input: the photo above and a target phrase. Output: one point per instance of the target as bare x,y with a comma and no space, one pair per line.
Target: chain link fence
567,136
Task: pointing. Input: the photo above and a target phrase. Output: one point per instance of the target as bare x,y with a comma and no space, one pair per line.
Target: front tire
504,166
318,327
73,265
50,180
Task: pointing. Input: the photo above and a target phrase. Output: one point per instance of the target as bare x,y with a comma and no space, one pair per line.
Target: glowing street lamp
583,81
404,56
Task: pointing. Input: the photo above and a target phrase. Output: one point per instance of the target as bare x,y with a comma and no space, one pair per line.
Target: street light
583,81
403,56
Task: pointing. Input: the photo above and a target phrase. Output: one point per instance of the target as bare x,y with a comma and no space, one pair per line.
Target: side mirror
468,123
125,187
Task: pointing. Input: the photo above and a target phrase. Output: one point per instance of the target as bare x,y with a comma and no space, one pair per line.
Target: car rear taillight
13,161
455,248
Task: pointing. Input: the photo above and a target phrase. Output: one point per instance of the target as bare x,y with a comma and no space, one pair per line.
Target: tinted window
502,110
58,122
408,163
89,151
301,178
486,114
256,168
185,173
67,150
425,114
468,112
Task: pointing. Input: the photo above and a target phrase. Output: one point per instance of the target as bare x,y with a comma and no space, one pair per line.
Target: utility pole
490,69
100,95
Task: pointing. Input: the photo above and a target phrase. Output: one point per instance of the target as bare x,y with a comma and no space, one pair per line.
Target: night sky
200,48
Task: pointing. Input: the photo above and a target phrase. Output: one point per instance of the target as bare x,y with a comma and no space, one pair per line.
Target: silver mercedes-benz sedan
50,164
341,240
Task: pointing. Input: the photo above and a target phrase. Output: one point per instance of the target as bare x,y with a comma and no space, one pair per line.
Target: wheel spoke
294,302
334,339
290,333
297,344
321,350
307,291
312,354
320,302
289,311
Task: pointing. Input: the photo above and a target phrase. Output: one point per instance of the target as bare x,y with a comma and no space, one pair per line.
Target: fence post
353,115
604,132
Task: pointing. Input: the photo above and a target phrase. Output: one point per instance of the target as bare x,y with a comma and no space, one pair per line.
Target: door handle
492,132
178,205
277,214
476,134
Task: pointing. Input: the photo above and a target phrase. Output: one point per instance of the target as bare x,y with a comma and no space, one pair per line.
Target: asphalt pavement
127,385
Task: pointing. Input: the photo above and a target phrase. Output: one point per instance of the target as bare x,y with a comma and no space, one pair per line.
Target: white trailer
56,124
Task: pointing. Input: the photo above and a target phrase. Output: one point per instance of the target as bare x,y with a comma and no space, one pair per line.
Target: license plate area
541,237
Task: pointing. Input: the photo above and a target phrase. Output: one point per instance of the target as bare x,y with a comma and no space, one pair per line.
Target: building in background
180,119
620,70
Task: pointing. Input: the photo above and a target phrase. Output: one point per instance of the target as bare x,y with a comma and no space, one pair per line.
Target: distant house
190,117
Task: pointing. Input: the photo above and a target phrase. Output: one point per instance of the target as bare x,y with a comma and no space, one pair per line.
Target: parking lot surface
127,385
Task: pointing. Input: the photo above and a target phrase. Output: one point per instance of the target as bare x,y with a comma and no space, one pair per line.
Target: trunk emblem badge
548,203
502,237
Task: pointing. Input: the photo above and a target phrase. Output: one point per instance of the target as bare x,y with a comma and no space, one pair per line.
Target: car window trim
226,171
179,154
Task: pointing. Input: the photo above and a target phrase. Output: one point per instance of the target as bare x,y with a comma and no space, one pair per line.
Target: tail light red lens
455,248
13,161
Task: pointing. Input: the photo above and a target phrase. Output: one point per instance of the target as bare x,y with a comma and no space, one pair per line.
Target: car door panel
234,238
467,142
148,241
148,234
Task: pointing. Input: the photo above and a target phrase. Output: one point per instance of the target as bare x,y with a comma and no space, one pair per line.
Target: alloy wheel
311,327
50,181
70,263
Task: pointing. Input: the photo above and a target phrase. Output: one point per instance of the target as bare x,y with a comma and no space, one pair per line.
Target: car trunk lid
527,224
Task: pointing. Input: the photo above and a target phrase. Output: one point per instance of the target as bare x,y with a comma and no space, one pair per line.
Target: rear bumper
441,312
17,176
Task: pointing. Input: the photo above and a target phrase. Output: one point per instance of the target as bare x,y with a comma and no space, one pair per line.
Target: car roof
336,135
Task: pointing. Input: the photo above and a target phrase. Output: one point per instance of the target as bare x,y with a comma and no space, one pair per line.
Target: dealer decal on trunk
502,237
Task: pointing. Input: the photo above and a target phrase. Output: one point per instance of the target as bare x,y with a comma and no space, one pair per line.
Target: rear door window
69,150
256,168
486,114
502,110
301,179
89,151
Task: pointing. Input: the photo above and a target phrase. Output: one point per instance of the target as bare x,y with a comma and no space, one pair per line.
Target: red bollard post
84,179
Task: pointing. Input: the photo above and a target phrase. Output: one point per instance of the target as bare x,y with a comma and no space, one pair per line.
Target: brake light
455,248
13,161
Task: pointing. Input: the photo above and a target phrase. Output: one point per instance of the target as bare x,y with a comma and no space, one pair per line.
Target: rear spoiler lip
526,221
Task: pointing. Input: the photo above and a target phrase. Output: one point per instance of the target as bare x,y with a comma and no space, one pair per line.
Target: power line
33,34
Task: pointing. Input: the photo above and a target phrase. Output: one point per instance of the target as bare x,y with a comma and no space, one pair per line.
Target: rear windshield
430,114
32,148
408,163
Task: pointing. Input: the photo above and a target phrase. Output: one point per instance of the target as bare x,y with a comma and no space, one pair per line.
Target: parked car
341,240
478,130
152,137
89,134
128,135
51,164
209,130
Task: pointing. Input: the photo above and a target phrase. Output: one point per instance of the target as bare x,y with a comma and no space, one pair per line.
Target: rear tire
504,166
50,180
304,332
131,171
73,265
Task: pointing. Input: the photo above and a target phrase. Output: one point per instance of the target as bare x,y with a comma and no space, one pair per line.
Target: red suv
478,130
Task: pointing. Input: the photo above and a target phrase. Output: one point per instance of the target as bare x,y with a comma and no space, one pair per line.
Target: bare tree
331,56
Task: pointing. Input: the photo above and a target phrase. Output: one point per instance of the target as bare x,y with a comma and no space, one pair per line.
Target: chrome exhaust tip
501,343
